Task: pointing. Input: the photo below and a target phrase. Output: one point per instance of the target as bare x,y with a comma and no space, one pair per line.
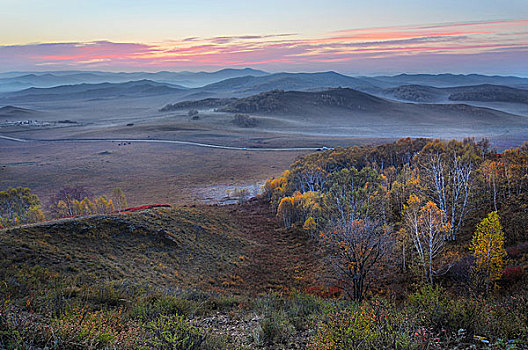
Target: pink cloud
451,41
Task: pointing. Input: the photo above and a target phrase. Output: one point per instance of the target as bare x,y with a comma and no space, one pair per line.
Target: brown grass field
174,173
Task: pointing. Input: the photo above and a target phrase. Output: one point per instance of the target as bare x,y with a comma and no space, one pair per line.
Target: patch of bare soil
280,259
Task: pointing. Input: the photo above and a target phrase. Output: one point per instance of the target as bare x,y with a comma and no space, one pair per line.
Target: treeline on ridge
19,205
415,201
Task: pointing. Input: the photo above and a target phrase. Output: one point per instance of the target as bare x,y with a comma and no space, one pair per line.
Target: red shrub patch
512,274
324,292
143,207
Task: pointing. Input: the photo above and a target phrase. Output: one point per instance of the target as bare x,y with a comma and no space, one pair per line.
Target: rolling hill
489,93
302,103
162,247
13,112
350,107
217,248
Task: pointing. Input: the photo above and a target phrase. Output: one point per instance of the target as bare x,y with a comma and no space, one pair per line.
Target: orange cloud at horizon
411,42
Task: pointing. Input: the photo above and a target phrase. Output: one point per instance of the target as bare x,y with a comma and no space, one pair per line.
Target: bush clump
245,121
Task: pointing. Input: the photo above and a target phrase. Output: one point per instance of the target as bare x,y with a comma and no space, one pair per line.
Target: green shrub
174,332
276,327
151,307
283,316
362,326
186,304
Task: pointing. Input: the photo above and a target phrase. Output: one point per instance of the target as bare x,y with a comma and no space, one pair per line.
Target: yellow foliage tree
275,188
309,225
286,211
487,247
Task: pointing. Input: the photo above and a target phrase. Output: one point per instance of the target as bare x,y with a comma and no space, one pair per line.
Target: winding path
189,143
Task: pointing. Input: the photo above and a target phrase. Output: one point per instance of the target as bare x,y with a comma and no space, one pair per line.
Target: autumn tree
356,194
102,206
356,235
310,225
487,247
309,176
19,206
356,247
306,205
448,174
66,201
119,199
406,182
275,188
285,211
493,172
425,227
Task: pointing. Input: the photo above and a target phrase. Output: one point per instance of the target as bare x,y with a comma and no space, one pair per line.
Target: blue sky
31,28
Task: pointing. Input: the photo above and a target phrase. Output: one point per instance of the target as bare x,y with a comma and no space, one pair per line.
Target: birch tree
448,174
425,227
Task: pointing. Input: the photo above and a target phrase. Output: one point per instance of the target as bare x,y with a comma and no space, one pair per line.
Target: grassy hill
163,247
13,112
217,248
197,273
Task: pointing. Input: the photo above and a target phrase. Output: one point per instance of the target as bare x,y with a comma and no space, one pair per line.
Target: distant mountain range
139,88
445,80
242,83
14,81
248,80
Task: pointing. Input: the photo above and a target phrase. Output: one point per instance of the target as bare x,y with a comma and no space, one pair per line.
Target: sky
348,36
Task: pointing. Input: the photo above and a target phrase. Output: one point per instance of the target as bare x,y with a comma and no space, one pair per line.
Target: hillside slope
183,246
445,80
240,249
13,112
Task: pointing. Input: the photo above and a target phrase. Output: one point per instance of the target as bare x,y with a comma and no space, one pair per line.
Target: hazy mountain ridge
287,81
103,90
446,80
481,93
15,81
